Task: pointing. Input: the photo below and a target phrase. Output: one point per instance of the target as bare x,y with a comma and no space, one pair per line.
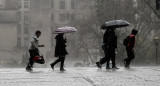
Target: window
62,17
19,4
25,41
72,4
52,18
26,30
67,16
19,16
52,3
26,4
18,42
26,18
72,17
18,29
2,3
62,4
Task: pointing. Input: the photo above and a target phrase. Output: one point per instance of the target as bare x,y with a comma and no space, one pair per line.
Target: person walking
130,48
104,47
111,45
60,51
33,49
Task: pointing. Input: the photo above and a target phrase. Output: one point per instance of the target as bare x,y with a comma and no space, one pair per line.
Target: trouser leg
130,55
108,62
55,62
112,56
62,62
31,62
104,59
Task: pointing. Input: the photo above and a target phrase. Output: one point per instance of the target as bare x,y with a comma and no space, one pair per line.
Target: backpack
126,41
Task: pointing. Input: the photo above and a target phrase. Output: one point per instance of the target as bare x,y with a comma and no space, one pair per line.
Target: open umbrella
65,30
115,23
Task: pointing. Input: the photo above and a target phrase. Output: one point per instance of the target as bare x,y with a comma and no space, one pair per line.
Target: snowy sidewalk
136,76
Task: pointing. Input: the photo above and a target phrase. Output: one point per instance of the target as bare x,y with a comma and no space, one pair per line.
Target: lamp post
156,40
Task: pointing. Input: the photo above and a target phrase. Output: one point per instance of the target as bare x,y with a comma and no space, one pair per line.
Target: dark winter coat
105,40
112,39
131,41
105,37
60,49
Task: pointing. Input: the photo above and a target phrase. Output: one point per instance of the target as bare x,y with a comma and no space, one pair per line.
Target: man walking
104,47
33,49
111,45
130,48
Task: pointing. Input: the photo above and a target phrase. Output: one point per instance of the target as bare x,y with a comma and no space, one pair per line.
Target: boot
62,64
114,67
98,65
52,66
62,69
107,67
125,64
28,68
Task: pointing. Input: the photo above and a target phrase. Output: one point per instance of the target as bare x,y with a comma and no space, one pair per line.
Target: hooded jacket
34,43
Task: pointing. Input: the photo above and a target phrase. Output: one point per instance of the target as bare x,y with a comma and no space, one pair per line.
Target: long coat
112,39
60,48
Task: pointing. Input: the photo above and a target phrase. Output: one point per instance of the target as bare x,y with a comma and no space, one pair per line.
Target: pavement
85,76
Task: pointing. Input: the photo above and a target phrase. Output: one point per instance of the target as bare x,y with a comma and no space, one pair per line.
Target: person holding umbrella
110,46
110,41
60,51
104,47
60,48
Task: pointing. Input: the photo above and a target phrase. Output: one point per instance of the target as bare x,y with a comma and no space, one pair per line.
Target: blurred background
19,19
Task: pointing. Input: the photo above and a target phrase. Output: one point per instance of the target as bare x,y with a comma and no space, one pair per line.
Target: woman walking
60,51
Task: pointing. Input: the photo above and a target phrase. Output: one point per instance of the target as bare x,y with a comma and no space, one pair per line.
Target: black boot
52,66
125,63
107,65
62,69
62,64
98,65
114,67
29,68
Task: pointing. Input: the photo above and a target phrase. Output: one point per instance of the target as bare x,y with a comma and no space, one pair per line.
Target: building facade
23,26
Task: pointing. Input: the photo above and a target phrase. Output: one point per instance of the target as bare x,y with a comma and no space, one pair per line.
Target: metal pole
156,54
156,39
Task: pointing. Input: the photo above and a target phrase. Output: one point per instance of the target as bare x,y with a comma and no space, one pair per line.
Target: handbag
39,59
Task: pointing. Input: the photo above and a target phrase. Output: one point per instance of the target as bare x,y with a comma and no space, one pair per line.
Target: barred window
62,4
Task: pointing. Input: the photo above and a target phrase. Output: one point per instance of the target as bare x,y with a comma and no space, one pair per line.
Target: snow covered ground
86,76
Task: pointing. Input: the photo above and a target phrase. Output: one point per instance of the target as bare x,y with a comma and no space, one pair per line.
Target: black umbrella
115,23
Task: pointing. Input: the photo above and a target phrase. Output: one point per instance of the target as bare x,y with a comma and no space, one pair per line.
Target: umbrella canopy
65,30
115,23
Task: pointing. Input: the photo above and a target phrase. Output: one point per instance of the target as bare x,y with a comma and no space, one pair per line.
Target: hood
36,38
